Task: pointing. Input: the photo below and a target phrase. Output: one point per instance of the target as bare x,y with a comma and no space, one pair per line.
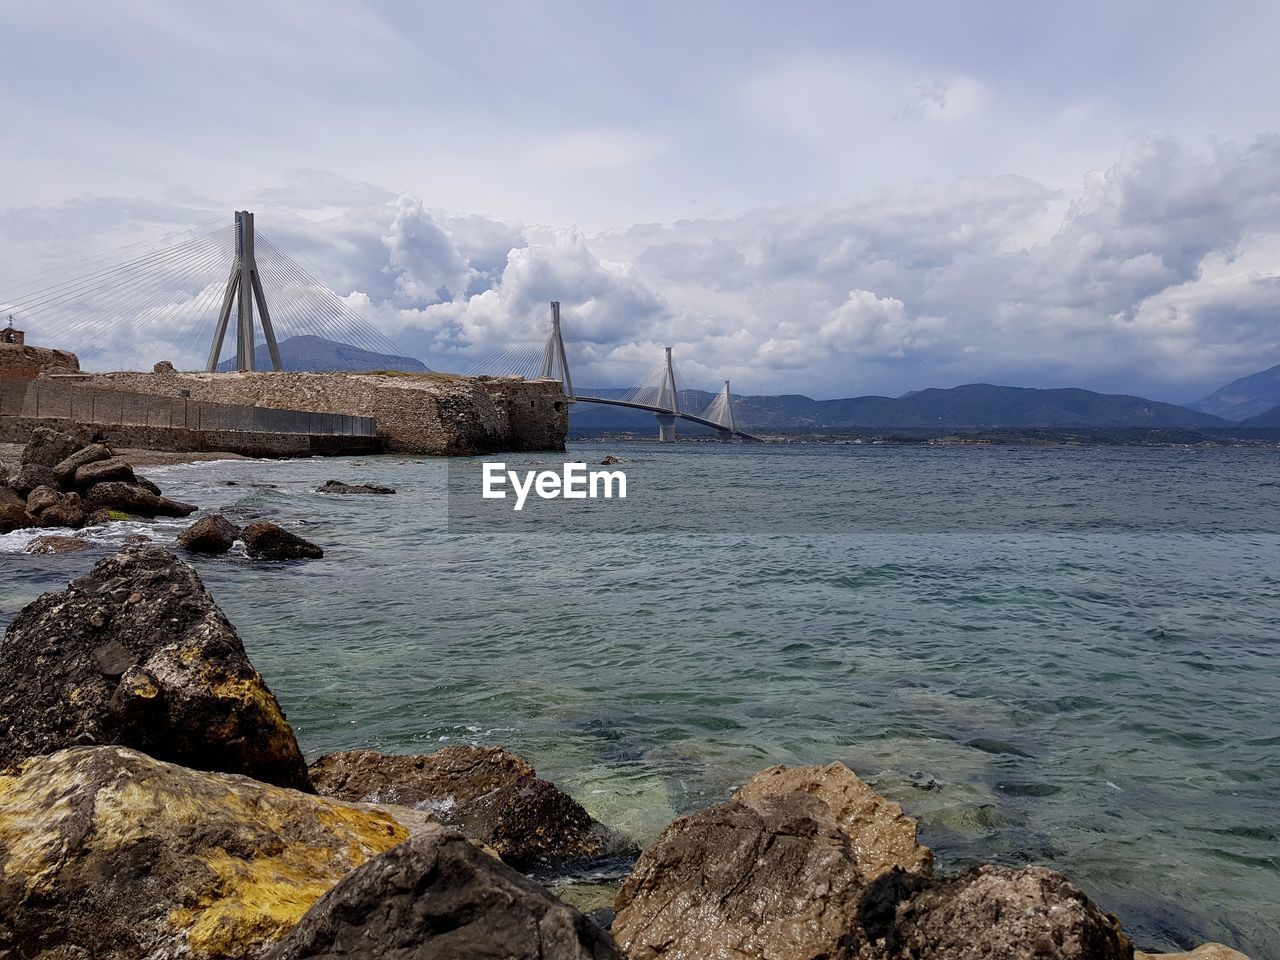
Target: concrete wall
416,413
18,430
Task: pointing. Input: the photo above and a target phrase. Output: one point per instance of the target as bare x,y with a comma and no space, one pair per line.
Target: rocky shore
154,803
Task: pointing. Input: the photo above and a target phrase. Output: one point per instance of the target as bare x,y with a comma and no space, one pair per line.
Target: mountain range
1246,398
972,406
317,353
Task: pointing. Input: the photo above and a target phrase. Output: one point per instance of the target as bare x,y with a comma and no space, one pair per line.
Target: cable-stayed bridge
208,292
180,293
658,391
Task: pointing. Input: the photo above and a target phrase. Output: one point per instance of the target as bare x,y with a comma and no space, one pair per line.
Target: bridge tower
728,415
669,398
244,288
555,365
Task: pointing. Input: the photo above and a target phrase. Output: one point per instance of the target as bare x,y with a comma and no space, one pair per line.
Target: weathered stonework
18,361
416,413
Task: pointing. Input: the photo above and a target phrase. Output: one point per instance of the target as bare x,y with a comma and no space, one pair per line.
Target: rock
65,470
436,897
49,447
882,836
147,485
1206,951
41,498
102,471
333,486
807,840
100,517
52,545
133,499
30,476
489,794
123,857
1027,914
609,461
211,534
11,498
202,705
163,368
67,512
266,541
13,517
731,882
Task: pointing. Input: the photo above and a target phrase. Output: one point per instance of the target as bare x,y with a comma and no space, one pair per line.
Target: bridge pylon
669,399
244,289
555,365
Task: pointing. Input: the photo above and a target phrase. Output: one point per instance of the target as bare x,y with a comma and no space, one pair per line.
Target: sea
1066,656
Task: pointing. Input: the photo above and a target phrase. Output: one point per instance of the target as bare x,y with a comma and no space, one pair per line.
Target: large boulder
104,471
65,470
42,498
15,517
30,476
10,497
49,447
436,897
136,500
489,794
267,541
67,512
777,871
137,653
108,854
211,534
1021,914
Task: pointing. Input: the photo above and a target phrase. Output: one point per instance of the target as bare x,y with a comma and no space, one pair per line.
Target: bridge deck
692,418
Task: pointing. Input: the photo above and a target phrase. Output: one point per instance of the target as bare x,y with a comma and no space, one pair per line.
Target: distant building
18,361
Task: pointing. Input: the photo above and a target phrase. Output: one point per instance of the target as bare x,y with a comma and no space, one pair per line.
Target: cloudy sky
822,198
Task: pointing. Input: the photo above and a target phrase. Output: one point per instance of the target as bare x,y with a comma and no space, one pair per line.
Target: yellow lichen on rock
161,860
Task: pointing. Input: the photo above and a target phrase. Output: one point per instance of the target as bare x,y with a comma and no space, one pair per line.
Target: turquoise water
1057,656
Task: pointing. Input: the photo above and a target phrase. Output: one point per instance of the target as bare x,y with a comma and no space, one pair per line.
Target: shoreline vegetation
155,803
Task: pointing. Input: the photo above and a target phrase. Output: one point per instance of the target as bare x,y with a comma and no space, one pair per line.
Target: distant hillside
975,405
1269,418
317,353
1244,398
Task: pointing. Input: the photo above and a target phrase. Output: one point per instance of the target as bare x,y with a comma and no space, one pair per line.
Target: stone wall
416,413
180,440
22,362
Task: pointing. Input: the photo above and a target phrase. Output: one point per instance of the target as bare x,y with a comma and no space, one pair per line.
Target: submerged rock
49,447
137,653
436,897
1206,951
211,534
334,486
489,794
136,500
267,541
52,545
111,855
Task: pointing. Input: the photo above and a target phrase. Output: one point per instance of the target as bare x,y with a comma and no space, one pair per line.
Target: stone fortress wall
19,361
416,413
